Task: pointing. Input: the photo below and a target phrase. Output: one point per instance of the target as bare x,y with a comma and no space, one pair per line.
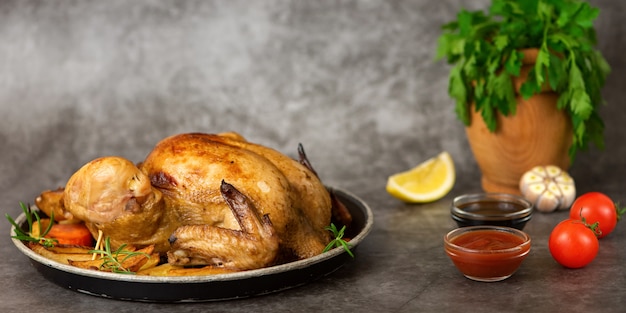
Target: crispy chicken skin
196,244
112,195
188,170
211,199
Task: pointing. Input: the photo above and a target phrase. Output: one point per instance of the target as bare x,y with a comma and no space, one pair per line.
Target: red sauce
488,261
487,240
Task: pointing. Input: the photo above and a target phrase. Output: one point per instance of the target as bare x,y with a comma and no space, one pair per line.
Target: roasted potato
51,201
60,257
175,270
130,261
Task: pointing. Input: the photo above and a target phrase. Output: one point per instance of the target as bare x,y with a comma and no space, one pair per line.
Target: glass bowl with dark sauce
499,209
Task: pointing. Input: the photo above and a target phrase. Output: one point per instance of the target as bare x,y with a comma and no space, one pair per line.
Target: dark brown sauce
499,213
491,207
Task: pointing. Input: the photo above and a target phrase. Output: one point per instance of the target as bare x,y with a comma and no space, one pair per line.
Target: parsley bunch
485,51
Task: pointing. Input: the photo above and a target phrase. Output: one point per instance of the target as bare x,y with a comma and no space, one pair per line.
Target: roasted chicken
206,199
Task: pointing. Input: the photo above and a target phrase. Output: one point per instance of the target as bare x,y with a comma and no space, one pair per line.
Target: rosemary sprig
111,261
27,236
338,241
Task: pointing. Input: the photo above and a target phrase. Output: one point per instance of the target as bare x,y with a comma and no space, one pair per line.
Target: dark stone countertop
400,267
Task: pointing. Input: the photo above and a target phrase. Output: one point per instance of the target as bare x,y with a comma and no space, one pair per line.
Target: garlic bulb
549,188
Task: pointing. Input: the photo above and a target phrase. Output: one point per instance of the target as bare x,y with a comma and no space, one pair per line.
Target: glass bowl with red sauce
487,253
500,209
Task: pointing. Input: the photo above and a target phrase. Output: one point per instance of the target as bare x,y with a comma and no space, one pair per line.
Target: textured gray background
354,81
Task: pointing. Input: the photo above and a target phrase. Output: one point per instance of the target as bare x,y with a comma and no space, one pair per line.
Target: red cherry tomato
596,207
573,244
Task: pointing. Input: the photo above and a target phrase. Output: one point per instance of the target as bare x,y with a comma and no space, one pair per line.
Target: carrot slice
71,234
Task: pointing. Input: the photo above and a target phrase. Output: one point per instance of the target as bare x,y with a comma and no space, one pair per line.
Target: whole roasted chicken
206,199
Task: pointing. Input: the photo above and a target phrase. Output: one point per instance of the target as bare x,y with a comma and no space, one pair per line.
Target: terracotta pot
538,134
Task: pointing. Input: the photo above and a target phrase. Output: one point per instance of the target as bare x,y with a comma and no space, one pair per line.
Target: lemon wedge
429,181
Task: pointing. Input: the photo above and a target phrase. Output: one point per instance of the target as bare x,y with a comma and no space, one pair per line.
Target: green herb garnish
338,240
111,259
485,51
32,216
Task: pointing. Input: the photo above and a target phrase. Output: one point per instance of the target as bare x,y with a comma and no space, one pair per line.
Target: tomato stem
619,210
595,227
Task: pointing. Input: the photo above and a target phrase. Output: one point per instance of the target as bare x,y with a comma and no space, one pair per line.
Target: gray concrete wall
354,81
